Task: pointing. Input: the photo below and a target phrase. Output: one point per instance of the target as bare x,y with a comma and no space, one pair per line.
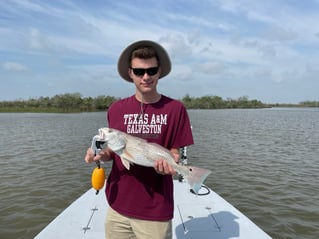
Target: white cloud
224,46
211,68
277,33
182,72
176,45
38,41
14,66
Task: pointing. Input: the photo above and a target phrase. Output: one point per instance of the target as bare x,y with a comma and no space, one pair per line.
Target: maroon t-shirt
141,192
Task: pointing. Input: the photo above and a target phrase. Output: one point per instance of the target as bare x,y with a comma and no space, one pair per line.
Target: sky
264,50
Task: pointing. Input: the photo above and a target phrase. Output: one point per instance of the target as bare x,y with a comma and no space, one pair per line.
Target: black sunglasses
141,71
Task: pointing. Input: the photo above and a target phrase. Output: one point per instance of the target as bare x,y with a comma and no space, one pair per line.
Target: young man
141,199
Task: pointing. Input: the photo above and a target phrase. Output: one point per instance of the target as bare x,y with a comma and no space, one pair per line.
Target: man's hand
163,167
103,155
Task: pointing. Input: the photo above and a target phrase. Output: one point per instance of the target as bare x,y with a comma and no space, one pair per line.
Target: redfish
134,150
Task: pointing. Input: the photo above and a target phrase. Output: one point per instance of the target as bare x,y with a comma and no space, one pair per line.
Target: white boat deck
195,217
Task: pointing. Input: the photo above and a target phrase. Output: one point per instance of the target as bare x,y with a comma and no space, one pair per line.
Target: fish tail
196,177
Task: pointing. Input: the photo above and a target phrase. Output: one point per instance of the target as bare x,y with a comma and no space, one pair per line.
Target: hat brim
123,62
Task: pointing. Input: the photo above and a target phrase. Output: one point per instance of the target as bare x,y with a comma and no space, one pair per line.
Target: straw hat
123,62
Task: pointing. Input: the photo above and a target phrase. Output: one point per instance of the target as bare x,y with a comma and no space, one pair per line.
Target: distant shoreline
75,103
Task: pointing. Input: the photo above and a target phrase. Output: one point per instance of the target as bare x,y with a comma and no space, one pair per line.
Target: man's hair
143,53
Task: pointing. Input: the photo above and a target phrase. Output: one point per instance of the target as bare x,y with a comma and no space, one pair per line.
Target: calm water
264,162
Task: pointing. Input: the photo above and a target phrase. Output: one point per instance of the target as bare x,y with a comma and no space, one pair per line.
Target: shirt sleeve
183,134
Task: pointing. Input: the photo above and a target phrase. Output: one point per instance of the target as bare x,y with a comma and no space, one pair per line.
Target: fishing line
142,108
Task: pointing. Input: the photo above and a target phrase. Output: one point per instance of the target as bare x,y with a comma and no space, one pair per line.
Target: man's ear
130,72
159,70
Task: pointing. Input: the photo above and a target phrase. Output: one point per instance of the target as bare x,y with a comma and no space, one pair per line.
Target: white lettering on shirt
145,124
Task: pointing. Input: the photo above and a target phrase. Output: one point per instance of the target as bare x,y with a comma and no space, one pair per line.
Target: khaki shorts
118,226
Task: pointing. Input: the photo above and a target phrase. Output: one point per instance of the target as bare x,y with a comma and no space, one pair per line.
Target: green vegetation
216,102
74,102
309,103
59,103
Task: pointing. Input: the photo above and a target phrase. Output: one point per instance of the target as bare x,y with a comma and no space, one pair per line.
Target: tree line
217,102
74,102
69,102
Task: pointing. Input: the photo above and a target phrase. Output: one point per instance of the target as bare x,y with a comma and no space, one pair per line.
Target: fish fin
126,159
120,145
126,163
196,177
